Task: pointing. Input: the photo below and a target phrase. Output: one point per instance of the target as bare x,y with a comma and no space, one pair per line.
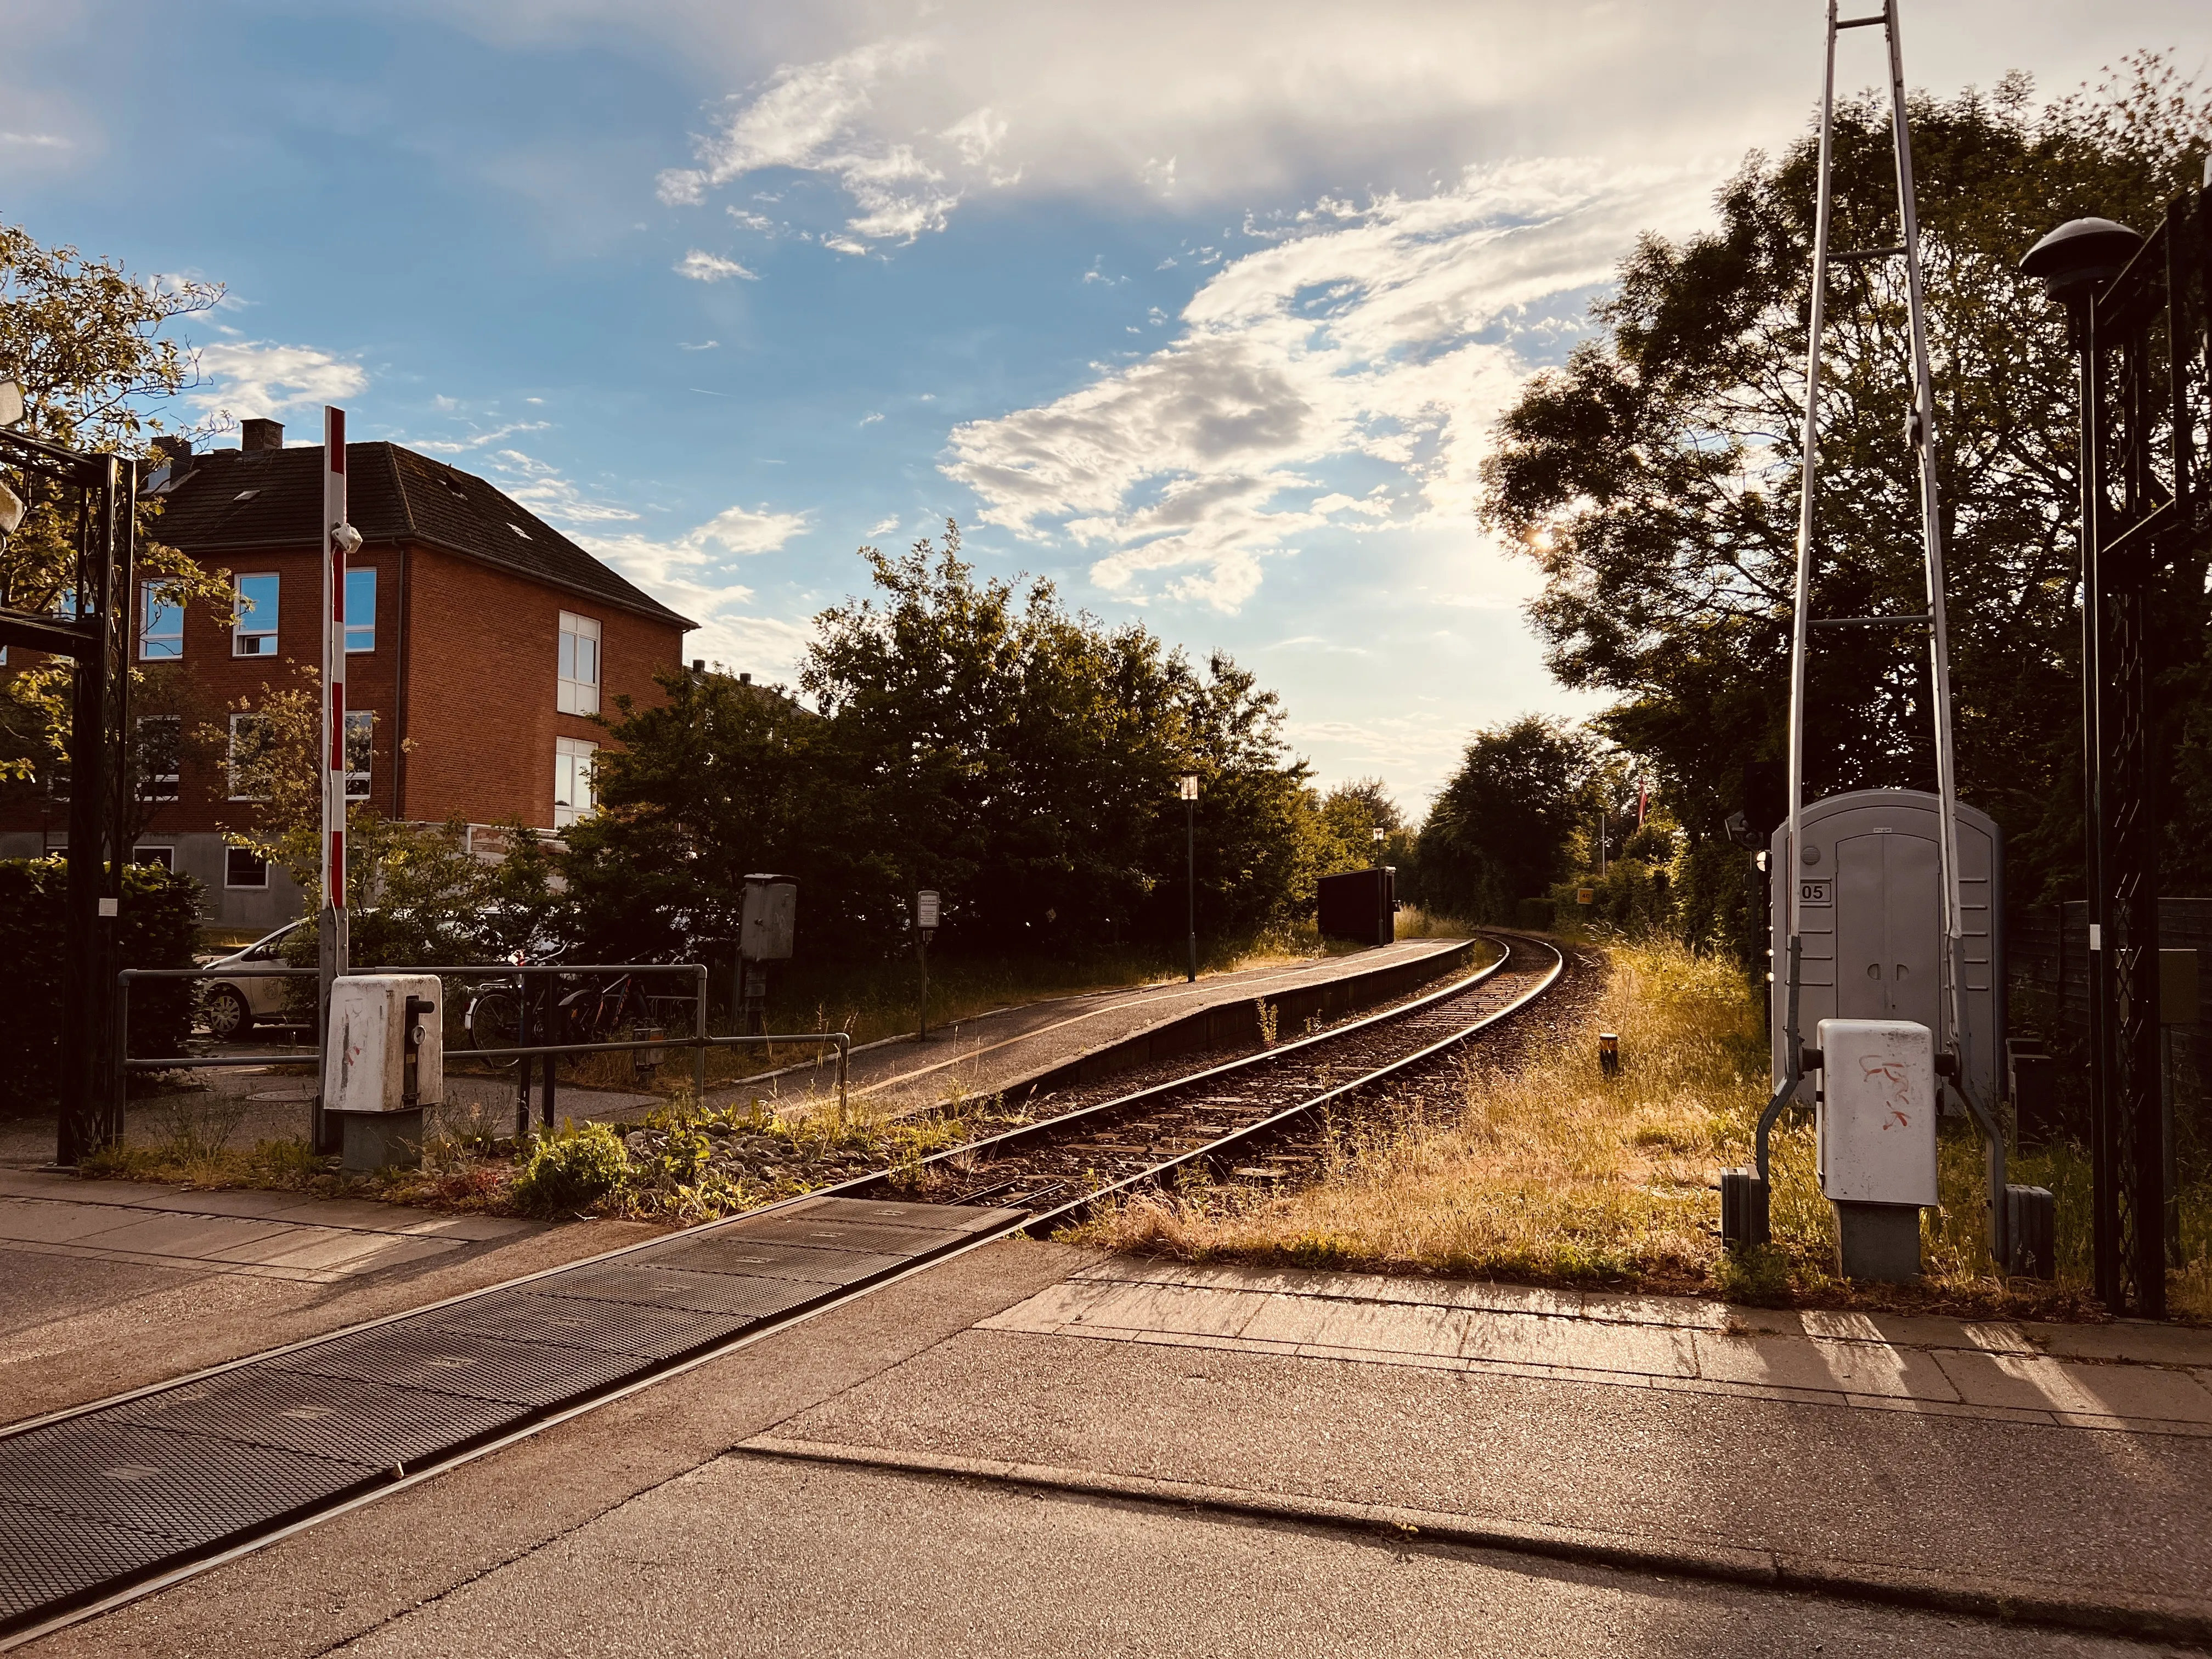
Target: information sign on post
925,925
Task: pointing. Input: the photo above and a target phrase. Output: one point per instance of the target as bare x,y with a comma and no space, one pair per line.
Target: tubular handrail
699,1043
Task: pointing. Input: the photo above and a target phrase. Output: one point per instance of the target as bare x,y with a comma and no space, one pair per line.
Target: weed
1268,1015
572,1171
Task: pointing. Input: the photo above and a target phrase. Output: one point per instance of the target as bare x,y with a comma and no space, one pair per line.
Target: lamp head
1187,786
2080,256
347,537
11,510
11,404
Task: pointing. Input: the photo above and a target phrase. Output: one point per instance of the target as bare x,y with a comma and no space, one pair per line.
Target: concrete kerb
2006,1601
1202,1031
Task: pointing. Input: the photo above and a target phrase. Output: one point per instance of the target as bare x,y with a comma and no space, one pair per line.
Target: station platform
1010,1048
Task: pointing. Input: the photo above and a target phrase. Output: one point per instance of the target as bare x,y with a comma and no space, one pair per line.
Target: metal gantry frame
95,636
2140,313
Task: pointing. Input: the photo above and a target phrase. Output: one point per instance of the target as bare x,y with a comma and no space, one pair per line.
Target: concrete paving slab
194,1238
1582,1345
39,1221
1389,1327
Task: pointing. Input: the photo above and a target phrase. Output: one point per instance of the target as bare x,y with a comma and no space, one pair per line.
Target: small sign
1586,896
1812,892
925,910
109,907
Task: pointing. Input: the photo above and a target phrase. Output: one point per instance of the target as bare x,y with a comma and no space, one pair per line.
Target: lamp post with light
1187,786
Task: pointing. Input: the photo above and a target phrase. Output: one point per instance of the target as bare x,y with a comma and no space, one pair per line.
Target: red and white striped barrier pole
339,539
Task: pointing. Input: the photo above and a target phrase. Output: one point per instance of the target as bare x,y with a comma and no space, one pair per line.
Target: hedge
159,921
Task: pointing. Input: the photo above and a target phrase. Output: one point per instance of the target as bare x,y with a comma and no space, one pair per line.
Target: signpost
1187,786
925,925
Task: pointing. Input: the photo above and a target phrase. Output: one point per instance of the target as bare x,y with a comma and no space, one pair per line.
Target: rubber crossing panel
112,1495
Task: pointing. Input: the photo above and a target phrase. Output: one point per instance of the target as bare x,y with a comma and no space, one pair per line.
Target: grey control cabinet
1870,887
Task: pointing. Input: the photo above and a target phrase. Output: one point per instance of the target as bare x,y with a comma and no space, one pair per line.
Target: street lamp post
1187,786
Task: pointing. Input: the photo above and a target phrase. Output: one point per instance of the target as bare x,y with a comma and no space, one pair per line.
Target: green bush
158,926
571,1171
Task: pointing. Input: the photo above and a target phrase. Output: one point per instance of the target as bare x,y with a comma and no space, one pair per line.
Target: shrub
158,923
572,1171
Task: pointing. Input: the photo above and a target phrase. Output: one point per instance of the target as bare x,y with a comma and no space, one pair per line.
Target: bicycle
588,1014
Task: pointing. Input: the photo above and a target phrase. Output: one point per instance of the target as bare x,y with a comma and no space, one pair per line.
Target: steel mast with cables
1744,1208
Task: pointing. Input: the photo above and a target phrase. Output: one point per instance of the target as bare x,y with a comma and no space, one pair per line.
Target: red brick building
480,639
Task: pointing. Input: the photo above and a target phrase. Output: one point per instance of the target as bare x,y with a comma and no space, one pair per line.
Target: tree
85,341
1502,827
1655,478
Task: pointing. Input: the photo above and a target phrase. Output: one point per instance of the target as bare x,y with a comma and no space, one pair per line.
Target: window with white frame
161,746
255,636
360,745
580,665
249,757
161,624
572,780
243,868
360,611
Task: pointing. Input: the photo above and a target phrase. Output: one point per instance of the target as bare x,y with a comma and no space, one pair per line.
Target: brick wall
482,656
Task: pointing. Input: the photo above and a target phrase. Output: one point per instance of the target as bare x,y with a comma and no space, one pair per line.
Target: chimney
698,664
176,451
261,434
744,679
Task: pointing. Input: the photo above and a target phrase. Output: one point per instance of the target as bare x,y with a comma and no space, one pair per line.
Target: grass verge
1554,1173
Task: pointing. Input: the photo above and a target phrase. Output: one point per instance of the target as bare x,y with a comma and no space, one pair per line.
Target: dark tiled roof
392,495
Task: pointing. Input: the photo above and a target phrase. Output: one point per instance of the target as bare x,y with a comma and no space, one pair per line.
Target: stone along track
1054,1170
108,1502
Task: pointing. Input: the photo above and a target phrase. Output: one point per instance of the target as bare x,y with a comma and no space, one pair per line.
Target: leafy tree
1504,825
1653,478
85,341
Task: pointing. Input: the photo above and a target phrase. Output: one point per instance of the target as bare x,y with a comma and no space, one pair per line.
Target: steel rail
588,1399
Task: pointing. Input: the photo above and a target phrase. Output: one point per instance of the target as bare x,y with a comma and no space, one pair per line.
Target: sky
1202,311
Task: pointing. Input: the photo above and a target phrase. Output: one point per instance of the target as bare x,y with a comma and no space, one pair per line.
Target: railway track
1056,1168
109,1501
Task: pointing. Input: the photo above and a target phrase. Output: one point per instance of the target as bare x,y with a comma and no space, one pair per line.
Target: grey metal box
770,919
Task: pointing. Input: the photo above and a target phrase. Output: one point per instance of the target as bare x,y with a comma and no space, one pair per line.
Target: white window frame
579,693
246,637
354,625
230,851
574,796
147,639
175,780
361,749
230,759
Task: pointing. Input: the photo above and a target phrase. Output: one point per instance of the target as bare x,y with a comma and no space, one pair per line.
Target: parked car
229,1007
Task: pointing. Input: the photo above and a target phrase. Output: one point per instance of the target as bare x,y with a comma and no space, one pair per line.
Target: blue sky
1202,310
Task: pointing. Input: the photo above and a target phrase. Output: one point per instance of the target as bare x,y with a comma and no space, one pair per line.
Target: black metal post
525,1038
1190,834
91,1116
922,949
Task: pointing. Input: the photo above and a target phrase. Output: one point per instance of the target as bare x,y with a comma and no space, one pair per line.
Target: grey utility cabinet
1869,880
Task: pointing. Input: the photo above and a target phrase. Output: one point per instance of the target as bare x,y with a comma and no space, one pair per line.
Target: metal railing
699,1043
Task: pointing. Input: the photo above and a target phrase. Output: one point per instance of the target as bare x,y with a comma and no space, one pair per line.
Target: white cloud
883,526
1368,338
35,141
819,118
479,441
696,572
871,417
247,379
546,491
704,267
703,345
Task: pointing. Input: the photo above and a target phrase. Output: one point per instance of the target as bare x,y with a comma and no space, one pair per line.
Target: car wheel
228,1019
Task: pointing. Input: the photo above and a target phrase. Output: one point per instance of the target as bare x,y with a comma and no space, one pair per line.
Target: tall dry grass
1551,1172
1557,1174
